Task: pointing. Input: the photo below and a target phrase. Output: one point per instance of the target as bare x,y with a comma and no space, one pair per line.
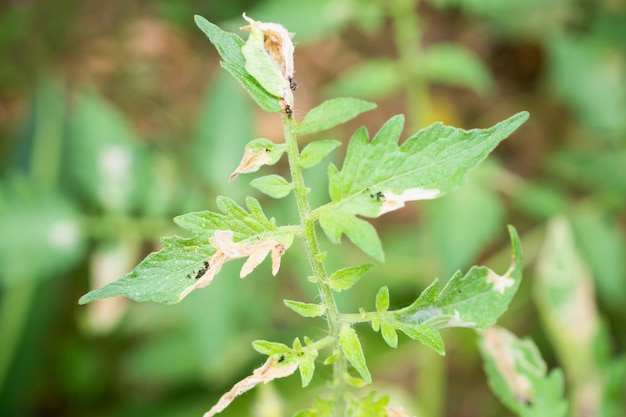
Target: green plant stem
407,36
315,256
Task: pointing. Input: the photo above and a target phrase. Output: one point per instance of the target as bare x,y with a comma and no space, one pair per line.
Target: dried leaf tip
278,44
251,162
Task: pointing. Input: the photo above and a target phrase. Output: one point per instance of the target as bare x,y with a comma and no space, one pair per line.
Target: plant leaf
257,153
314,152
345,278
185,264
518,376
382,299
273,185
380,176
351,347
305,309
455,305
229,46
332,113
455,65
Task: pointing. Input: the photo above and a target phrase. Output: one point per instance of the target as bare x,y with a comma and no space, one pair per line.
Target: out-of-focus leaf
373,79
380,176
331,113
459,226
602,242
185,264
229,46
454,65
565,297
540,201
106,162
517,375
223,128
589,75
42,235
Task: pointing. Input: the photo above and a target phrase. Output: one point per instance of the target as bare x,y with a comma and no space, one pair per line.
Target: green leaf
380,176
382,300
425,334
345,278
229,46
272,349
517,375
455,65
455,305
389,334
351,347
273,185
372,79
332,113
42,236
305,309
260,64
306,357
314,152
185,264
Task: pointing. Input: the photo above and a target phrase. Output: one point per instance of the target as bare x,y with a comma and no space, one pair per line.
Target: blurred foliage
113,119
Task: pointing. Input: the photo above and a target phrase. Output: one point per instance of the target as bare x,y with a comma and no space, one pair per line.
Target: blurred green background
115,117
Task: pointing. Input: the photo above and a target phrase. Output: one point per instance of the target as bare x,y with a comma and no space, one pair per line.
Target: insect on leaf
379,176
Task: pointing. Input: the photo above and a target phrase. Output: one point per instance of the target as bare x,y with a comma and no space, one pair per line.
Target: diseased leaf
257,153
314,152
270,370
351,347
518,376
345,278
332,113
273,185
185,264
305,309
229,46
380,176
456,304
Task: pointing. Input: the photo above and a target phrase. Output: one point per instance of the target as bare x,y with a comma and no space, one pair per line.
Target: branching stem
315,256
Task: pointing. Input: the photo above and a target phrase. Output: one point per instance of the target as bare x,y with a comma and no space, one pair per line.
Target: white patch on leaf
391,201
251,162
500,282
499,344
270,370
227,250
457,321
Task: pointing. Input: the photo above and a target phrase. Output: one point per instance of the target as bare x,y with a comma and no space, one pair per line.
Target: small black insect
288,111
292,84
282,358
203,270
378,196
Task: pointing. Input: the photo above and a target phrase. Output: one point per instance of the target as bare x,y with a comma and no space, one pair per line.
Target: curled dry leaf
270,370
251,162
227,250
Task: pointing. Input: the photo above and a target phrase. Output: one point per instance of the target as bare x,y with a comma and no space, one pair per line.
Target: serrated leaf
185,264
229,46
346,277
455,305
351,347
518,376
332,113
380,176
360,232
273,185
314,152
305,309
382,299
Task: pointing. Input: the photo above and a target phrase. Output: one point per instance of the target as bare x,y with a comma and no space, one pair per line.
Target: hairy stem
314,254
